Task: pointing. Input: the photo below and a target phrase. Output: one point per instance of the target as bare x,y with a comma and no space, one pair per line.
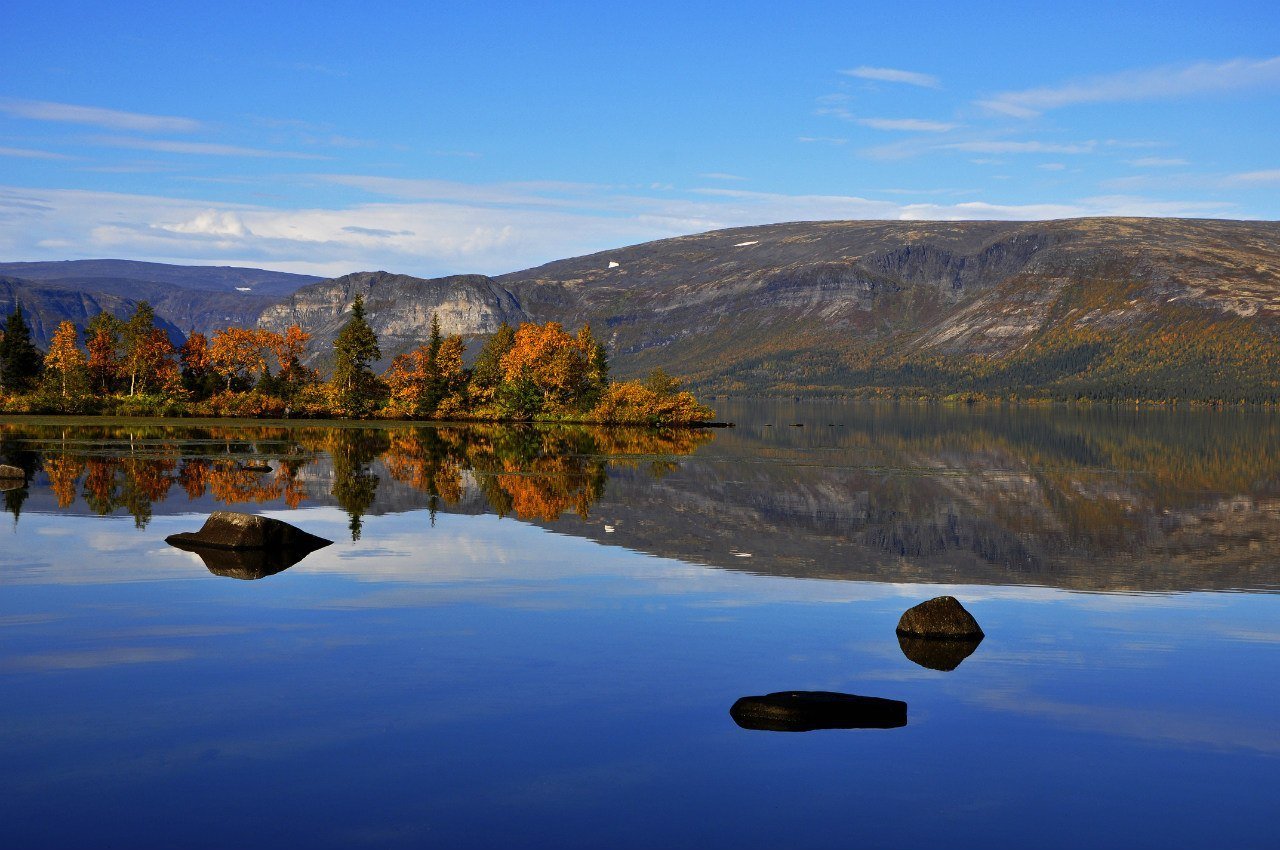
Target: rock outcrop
942,617
399,308
805,711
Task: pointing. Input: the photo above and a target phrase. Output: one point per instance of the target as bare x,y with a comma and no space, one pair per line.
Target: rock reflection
247,565
807,711
944,655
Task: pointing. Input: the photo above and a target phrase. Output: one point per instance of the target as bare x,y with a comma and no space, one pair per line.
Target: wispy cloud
27,153
999,147
1157,162
914,125
197,148
110,119
1052,166
1256,178
894,75
822,140
720,175
1149,84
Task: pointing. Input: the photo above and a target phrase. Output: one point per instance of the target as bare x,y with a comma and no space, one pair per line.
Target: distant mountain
1113,307
1110,308
185,298
207,278
45,307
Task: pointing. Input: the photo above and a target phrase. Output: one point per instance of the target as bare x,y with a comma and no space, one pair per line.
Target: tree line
131,367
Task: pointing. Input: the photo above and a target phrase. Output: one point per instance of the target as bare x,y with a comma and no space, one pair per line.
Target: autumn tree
198,375
102,338
20,360
546,368
65,367
290,349
135,336
240,353
355,349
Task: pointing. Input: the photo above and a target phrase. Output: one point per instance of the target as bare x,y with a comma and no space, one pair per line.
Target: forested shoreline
534,372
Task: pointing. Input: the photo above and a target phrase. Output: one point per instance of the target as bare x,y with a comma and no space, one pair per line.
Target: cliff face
399,309
45,307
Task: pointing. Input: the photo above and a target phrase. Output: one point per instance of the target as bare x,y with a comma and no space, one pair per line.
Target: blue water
466,680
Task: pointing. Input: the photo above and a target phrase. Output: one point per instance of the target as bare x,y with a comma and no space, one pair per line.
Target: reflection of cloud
87,659
1223,733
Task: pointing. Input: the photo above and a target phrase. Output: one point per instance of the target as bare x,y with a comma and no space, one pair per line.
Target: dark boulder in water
231,530
937,653
941,617
255,466
805,711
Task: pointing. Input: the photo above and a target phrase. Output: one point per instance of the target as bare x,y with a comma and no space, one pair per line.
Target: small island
534,372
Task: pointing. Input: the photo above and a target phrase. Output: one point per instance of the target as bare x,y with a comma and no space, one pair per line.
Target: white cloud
907,124
27,153
822,140
1157,162
196,148
1256,177
1052,166
997,147
720,175
111,119
894,75
1149,84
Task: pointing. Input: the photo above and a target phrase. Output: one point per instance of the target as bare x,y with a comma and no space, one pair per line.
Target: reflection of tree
530,472
352,450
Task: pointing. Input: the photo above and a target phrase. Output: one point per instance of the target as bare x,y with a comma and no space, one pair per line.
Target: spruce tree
354,350
487,373
20,360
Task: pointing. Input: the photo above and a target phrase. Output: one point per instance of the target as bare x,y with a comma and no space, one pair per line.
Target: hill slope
1093,307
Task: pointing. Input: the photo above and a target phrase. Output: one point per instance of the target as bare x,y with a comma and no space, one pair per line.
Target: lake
533,636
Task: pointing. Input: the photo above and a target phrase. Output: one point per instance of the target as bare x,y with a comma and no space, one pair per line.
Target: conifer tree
355,349
20,360
487,373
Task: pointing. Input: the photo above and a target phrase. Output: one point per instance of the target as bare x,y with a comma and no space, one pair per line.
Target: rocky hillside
185,298
1093,307
399,308
45,307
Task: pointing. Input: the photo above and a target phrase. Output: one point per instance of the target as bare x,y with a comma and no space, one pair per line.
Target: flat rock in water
255,467
805,711
231,530
937,653
11,473
940,617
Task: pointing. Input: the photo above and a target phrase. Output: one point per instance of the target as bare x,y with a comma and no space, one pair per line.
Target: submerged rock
231,530
940,617
937,653
11,473
254,466
805,711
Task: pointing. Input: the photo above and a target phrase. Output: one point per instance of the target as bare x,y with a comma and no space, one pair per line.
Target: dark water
533,637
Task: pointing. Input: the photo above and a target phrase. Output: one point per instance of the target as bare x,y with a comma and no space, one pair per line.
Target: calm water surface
532,637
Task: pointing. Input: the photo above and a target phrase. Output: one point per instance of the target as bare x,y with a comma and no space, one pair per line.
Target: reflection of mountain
1093,500
1097,501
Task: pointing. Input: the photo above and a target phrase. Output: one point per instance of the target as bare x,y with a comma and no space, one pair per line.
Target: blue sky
438,138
